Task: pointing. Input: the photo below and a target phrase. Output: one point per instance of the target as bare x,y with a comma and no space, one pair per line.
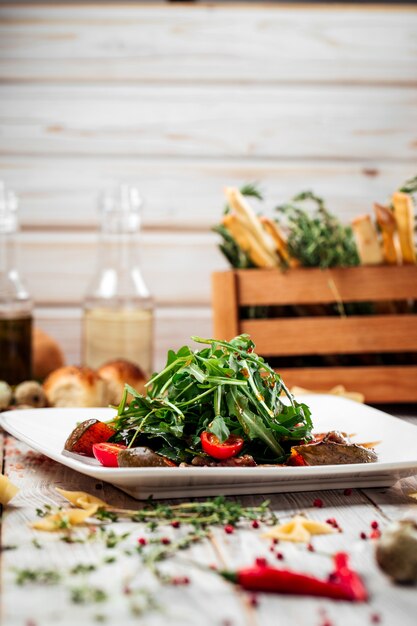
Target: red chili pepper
346,577
344,584
221,450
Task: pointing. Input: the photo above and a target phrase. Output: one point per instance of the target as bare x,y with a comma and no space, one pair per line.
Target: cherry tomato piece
221,450
107,453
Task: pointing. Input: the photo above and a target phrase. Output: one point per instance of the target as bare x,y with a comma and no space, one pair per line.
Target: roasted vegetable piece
388,227
331,453
142,457
396,551
296,459
106,453
250,222
248,242
367,243
86,434
404,214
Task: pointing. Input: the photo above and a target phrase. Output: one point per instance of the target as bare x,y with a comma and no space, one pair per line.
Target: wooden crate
328,334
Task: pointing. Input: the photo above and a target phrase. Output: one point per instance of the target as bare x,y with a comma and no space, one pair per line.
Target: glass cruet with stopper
118,308
15,303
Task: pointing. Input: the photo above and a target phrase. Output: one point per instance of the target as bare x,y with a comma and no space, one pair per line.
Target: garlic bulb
396,551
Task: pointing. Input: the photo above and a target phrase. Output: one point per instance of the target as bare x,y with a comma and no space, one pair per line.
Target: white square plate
46,430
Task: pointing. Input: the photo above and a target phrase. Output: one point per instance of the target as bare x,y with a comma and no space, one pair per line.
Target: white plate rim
112,474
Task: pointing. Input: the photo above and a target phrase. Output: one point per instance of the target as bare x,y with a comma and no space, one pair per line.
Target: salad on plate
222,405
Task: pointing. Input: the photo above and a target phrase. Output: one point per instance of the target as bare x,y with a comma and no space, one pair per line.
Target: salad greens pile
224,388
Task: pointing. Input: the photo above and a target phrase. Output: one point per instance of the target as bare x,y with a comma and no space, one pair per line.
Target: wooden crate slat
310,286
327,335
378,384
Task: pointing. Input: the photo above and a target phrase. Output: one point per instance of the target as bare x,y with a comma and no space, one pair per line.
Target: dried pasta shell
81,499
299,530
7,490
67,518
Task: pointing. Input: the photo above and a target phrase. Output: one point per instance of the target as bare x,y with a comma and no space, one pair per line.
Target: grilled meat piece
142,457
328,452
239,461
333,435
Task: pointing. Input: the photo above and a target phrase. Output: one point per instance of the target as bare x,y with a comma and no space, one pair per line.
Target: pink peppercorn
362,535
180,580
347,492
375,534
375,618
165,541
374,525
310,547
318,503
253,601
275,541
175,524
332,522
255,524
229,529
142,541
280,556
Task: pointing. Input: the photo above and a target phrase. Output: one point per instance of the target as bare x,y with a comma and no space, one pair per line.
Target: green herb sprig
316,238
215,511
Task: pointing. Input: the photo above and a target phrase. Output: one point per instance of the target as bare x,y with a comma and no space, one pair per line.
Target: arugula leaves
225,388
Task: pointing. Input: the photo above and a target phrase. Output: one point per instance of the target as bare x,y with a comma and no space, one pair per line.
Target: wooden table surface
207,600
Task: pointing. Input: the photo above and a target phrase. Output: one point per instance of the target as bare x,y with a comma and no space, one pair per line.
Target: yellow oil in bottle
118,333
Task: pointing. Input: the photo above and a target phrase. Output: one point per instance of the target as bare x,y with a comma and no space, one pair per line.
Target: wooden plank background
183,100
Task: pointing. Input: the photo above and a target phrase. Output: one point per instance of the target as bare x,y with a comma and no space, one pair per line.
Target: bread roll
76,387
118,372
47,355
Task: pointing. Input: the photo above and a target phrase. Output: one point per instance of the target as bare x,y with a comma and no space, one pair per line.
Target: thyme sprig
216,511
410,186
157,550
316,237
41,576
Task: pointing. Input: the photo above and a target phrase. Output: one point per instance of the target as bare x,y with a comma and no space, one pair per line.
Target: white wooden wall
182,100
